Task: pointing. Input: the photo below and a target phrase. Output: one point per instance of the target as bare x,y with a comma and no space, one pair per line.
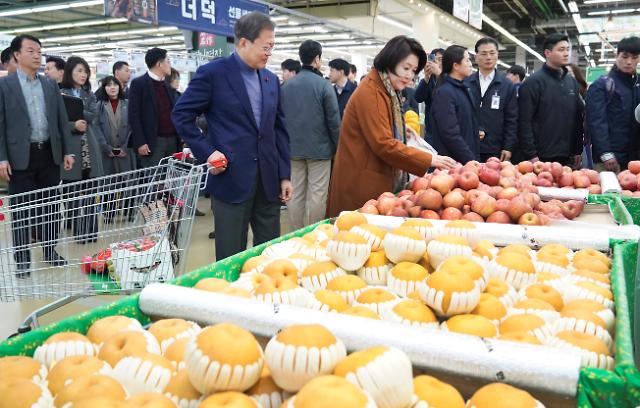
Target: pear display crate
592,387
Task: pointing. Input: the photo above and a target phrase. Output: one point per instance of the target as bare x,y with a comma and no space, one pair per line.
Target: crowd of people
320,145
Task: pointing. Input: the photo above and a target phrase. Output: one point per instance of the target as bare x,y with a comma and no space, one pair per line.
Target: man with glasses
246,141
495,101
35,140
611,101
150,103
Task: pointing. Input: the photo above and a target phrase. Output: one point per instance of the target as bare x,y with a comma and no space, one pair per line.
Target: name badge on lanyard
495,102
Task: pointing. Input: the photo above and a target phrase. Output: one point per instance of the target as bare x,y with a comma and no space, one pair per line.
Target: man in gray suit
34,142
312,118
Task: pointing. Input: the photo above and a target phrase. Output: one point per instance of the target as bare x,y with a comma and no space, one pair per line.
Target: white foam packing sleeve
563,194
532,367
609,182
593,236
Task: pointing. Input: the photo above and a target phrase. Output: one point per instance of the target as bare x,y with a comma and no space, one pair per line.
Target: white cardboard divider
589,236
563,194
529,366
609,182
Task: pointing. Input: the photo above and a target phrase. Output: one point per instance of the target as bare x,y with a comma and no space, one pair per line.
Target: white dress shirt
485,81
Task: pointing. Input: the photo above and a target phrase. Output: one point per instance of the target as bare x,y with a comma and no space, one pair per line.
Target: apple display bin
595,387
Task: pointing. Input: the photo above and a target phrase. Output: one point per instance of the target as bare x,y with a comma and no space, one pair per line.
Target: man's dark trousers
232,222
40,215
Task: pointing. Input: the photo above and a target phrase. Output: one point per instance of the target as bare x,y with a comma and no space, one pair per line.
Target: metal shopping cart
107,235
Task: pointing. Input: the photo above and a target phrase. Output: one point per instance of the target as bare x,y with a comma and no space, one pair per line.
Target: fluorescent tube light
510,36
395,23
50,7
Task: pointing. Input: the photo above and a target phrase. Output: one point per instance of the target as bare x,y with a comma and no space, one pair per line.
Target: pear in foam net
404,244
20,393
348,250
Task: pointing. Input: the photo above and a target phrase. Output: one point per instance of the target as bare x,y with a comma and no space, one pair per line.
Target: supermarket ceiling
595,26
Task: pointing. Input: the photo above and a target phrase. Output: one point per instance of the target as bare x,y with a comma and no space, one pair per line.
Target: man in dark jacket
339,77
550,116
611,101
312,117
496,103
426,87
150,103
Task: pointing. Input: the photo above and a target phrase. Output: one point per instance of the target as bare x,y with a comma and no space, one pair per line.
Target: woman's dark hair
396,50
106,81
454,54
175,74
67,78
577,73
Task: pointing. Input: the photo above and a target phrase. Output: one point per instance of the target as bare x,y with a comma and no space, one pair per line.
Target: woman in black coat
455,126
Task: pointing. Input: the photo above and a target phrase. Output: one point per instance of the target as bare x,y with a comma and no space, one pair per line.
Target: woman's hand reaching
443,162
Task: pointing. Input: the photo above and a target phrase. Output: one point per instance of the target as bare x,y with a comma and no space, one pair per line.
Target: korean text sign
210,16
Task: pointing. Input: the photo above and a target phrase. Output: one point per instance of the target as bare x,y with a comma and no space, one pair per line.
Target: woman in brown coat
372,156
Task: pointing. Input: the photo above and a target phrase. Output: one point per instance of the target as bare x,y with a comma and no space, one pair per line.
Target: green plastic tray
596,388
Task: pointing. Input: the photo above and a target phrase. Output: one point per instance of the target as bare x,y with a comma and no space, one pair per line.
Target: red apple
508,172
443,183
473,195
546,175
369,209
595,189
386,194
556,170
544,219
489,176
572,208
636,194
430,214
508,193
414,212
502,205
529,178
544,183
371,202
398,212
473,217
565,180
525,167
406,204
634,166
581,180
430,200
529,219
385,204
451,214
468,180
420,183
493,163
593,175
453,199
484,205
404,193
517,207
628,181
538,167
532,198
499,217
627,193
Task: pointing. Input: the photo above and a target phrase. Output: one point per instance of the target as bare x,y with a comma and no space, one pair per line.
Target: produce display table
595,388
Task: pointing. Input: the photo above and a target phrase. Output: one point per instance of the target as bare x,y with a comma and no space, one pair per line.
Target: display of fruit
99,263
476,192
630,180
513,293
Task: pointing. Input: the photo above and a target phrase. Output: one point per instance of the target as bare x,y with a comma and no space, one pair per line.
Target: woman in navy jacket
455,127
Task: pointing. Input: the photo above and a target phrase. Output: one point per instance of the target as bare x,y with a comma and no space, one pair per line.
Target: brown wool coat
367,152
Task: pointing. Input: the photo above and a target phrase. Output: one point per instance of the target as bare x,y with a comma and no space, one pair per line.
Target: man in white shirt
496,103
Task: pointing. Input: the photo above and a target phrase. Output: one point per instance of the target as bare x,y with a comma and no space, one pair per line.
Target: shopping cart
107,235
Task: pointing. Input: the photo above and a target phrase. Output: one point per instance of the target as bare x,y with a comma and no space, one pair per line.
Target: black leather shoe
212,235
55,259
199,213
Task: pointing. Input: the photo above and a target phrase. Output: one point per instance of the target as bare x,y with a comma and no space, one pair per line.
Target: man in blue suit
241,102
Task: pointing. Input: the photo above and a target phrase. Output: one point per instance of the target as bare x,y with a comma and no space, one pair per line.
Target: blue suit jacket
218,92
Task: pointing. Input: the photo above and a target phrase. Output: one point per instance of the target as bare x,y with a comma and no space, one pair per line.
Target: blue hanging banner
209,16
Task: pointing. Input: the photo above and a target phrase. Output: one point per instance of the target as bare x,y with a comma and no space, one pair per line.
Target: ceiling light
62,26
50,7
396,23
510,36
279,18
598,13
600,1
622,11
573,6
